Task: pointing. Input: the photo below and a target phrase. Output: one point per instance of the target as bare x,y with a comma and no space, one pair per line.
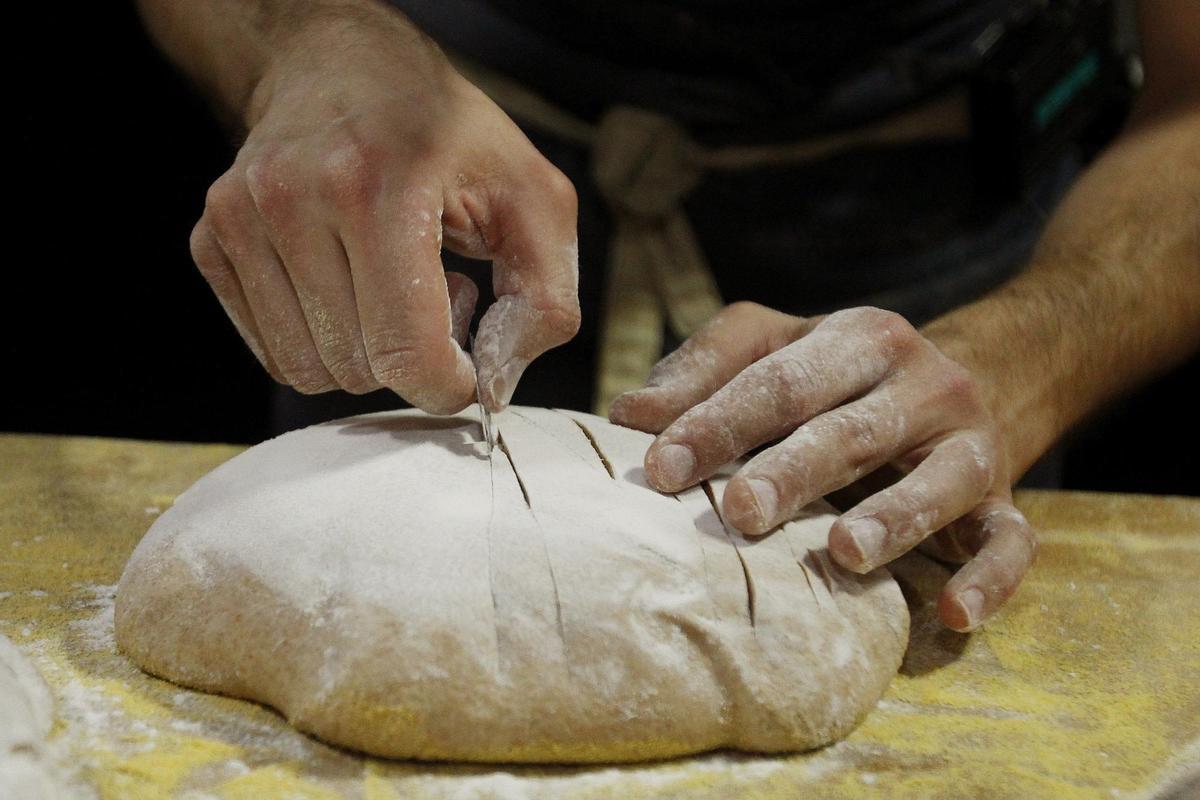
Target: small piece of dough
389,588
26,714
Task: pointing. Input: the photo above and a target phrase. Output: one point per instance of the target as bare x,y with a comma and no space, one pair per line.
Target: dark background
109,330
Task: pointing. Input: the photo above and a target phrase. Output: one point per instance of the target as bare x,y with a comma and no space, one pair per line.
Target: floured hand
845,395
323,240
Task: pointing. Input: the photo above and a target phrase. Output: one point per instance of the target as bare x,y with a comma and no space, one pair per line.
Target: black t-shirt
728,69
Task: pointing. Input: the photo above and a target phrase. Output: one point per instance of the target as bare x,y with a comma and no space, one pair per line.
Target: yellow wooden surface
1087,685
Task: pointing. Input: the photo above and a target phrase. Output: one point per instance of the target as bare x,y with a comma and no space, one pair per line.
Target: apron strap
644,164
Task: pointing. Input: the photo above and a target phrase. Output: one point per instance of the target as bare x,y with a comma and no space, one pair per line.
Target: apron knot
644,163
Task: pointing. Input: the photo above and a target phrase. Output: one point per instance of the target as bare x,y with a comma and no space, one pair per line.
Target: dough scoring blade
485,416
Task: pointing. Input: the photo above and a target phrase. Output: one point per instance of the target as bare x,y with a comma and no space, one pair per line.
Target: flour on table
97,628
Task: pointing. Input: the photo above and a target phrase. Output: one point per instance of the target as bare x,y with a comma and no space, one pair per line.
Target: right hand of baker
366,153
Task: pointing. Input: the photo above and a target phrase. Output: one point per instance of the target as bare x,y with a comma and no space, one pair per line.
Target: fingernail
505,382
499,388
765,497
971,603
675,464
867,533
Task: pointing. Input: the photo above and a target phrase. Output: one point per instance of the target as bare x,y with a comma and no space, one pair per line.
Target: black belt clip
1051,77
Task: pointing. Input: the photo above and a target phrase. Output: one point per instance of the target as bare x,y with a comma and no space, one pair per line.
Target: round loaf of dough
388,587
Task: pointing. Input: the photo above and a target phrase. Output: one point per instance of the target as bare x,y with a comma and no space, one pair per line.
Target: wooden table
1087,685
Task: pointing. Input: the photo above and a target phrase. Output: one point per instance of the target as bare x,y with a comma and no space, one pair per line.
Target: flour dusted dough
388,588
26,714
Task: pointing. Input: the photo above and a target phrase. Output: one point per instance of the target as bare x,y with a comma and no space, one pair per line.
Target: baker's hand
847,394
365,150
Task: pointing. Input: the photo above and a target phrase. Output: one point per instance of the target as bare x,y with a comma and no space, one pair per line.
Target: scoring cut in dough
388,588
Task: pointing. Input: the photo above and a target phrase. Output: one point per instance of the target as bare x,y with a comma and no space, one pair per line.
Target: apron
644,164
688,211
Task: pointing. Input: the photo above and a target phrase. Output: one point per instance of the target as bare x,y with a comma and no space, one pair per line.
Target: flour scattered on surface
186,726
237,767
636,780
97,629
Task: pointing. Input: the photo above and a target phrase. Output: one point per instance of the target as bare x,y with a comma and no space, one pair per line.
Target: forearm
227,46
1111,297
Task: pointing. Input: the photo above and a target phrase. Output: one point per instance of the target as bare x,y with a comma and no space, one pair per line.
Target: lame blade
485,416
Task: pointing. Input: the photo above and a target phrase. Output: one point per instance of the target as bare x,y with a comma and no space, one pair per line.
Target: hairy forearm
227,46
1110,298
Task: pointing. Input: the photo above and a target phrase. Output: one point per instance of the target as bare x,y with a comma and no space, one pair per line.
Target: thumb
536,280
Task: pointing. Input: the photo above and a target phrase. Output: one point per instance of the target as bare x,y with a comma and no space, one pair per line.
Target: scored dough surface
388,588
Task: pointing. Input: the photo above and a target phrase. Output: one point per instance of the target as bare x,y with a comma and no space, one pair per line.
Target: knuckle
307,379
306,374
860,436
269,180
888,329
790,466
557,185
861,315
353,373
358,385
978,464
200,245
224,196
791,383
1025,535
553,322
351,171
958,388
210,261
564,321
742,310
393,361
724,437
886,321
845,317
312,386
894,330
710,432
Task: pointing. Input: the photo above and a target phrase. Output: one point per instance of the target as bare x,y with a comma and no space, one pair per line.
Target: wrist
296,50
1014,372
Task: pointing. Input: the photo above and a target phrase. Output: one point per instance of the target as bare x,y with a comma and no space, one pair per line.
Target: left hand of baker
847,394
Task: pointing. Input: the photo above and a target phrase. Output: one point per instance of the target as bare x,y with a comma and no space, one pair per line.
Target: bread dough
26,714
389,588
